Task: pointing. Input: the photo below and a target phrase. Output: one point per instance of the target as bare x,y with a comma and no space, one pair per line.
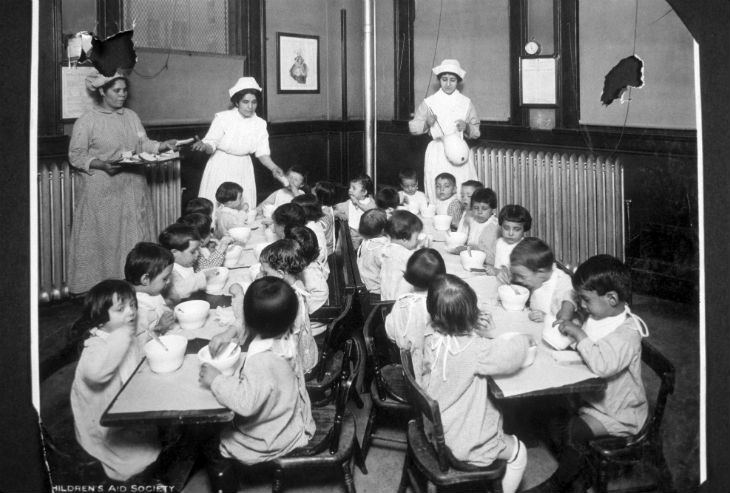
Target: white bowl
442,222
454,240
233,254
513,297
218,281
531,349
551,334
269,210
428,210
225,365
240,233
472,259
192,314
165,361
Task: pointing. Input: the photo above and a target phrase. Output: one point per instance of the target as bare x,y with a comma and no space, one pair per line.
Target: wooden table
545,376
166,398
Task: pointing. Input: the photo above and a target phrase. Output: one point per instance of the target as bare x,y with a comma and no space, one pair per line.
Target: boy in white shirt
514,222
183,242
402,229
447,202
370,252
361,200
232,211
410,196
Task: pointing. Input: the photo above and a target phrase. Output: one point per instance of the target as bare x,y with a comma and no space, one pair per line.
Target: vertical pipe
44,295
343,60
64,285
368,84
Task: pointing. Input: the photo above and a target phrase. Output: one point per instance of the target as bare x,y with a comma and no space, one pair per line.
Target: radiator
55,214
576,201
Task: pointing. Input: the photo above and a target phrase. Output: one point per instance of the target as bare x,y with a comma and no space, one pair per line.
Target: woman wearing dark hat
233,136
112,207
444,113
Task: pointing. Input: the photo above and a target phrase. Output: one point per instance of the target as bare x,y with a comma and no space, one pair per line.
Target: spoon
227,351
468,249
157,338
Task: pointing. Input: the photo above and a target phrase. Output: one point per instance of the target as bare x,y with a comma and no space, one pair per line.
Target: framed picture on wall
297,63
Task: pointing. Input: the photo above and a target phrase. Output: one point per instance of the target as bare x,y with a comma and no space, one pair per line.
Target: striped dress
111,213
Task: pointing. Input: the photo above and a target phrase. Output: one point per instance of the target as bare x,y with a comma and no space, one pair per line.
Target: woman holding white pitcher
443,114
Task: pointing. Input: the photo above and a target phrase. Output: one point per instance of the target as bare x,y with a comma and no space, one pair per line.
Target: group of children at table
435,316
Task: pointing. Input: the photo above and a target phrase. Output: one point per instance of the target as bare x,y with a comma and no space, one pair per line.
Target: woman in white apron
234,135
441,114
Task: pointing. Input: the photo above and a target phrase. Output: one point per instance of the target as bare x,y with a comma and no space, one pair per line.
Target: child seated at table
467,190
456,364
402,229
370,251
212,251
480,225
184,244
406,324
447,202
313,277
285,217
609,342
410,196
326,193
268,394
312,215
284,195
109,357
200,205
284,259
148,269
532,265
514,222
360,193
232,211
387,200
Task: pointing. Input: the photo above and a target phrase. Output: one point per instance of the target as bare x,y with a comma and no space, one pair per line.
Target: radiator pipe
343,60
64,284
55,292
43,296
368,84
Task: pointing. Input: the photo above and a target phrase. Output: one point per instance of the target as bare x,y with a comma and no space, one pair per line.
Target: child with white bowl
183,242
514,222
481,227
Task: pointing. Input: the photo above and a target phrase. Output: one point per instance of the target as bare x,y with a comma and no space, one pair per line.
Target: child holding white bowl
403,230
183,242
268,395
109,357
532,265
481,227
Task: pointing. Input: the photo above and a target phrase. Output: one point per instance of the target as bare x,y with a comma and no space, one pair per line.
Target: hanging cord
435,48
628,99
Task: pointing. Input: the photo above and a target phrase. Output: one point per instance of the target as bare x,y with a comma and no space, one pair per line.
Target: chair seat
425,459
388,403
312,455
320,391
616,449
395,382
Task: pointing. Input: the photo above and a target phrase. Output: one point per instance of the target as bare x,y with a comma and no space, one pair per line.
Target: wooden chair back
664,369
353,365
379,350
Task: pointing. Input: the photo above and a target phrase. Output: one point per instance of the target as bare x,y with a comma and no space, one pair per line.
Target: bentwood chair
432,459
618,463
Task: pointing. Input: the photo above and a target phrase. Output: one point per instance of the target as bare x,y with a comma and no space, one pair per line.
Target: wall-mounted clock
532,47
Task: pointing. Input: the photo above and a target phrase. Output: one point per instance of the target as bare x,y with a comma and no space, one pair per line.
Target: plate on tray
146,158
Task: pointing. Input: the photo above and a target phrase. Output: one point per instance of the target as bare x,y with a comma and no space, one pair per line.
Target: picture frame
297,69
538,81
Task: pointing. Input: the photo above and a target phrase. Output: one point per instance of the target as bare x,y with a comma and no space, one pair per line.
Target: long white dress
234,138
448,108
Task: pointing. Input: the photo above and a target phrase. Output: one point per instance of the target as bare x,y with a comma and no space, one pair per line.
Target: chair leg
368,436
347,477
404,479
358,400
278,485
359,457
601,485
430,487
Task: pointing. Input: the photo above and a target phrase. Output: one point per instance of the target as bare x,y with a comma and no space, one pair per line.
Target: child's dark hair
200,222
484,196
604,273
146,258
423,267
516,214
532,253
101,297
402,224
365,182
475,184
407,174
199,204
452,304
372,223
387,198
310,204
270,307
446,176
289,215
284,255
308,245
178,237
326,192
228,191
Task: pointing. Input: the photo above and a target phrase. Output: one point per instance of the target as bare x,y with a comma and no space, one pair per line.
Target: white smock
448,108
234,138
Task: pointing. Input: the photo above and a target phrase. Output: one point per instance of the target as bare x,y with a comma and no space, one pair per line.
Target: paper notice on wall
75,99
538,81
